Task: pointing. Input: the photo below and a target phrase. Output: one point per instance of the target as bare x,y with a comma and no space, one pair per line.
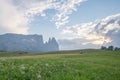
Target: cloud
103,32
11,19
76,43
17,14
66,7
63,8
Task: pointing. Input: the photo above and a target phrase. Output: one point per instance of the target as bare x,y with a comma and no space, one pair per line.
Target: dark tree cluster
110,48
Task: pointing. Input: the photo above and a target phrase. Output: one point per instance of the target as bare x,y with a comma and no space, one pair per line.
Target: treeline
110,48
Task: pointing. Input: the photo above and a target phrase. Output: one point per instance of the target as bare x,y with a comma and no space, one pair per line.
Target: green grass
63,65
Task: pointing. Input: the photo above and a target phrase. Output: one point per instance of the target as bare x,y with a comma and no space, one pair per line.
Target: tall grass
71,65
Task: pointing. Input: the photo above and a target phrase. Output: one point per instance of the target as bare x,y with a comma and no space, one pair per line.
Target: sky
76,24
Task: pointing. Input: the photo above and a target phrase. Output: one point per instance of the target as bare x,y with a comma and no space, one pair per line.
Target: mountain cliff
28,43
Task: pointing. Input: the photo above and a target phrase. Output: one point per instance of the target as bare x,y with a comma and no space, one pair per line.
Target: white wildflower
22,66
22,72
39,76
46,64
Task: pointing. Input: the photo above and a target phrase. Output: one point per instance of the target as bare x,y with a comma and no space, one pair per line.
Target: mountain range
27,43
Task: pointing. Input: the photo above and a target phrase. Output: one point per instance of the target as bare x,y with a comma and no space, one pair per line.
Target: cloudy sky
76,24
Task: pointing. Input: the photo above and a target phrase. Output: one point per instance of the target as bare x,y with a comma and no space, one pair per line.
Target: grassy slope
63,65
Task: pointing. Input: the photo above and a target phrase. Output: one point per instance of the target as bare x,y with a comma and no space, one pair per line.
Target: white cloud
76,43
66,7
96,33
17,14
11,19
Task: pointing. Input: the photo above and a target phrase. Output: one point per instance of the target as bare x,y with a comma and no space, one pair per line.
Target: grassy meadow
62,65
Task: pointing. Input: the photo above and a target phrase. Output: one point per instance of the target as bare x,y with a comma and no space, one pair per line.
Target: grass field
63,65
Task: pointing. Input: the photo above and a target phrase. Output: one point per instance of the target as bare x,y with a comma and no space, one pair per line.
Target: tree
103,48
111,48
116,48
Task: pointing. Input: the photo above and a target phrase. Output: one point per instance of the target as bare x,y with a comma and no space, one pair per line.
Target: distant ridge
27,43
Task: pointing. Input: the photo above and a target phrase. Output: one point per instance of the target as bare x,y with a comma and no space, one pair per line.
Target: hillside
63,65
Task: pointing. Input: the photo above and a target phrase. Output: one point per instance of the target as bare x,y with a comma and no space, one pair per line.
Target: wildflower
46,64
22,67
39,76
22,72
